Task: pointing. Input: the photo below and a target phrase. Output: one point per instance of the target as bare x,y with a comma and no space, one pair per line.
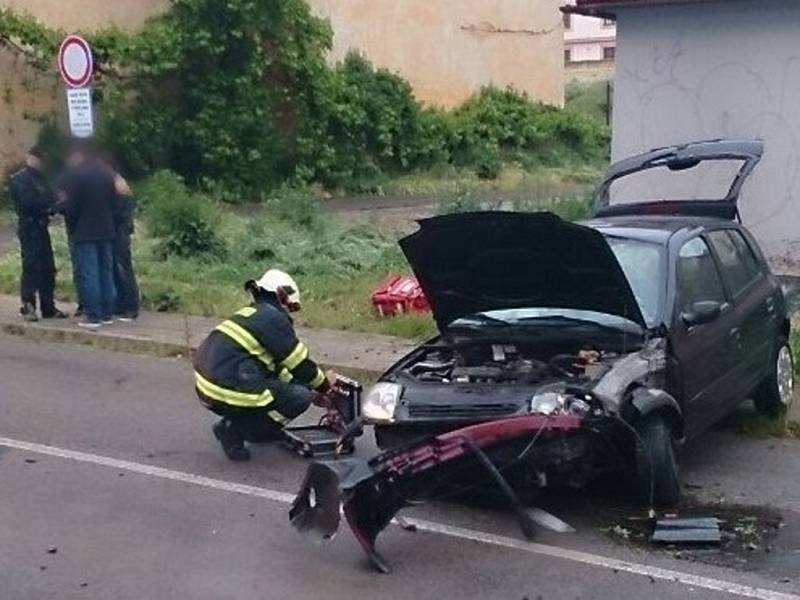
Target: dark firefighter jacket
236,363
33,198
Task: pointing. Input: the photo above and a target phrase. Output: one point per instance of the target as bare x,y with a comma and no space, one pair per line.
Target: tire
775,394
657,476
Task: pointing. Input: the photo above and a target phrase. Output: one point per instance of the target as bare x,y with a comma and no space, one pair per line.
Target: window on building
567,56
739,265
609,53
567,20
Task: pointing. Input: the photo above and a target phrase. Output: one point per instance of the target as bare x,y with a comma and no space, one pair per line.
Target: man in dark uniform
254,372
33,203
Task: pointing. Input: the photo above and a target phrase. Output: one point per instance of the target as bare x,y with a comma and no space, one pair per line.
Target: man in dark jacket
127,299
33,203
89,205
254,372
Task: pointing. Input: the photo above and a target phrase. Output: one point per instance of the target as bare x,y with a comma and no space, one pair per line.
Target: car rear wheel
657,475
774,396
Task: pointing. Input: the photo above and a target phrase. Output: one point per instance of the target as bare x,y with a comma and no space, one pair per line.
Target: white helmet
275,281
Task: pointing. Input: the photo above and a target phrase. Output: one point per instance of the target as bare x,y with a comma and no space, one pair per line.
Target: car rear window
710,180
737,261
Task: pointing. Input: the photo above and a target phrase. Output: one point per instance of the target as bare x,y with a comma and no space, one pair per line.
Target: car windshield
643,265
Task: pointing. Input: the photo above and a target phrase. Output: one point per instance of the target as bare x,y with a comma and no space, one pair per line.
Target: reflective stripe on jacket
236,362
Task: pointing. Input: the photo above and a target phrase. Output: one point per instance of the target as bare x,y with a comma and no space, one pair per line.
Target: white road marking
687,579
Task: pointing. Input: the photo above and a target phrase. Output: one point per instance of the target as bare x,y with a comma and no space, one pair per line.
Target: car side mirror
702,312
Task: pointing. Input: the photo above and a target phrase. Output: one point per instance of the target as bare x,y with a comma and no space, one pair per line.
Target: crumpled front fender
627,372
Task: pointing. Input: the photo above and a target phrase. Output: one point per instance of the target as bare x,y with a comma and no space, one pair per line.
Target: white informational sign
81,119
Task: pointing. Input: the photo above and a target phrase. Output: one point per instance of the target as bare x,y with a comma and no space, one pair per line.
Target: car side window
746,252
697,276
738,264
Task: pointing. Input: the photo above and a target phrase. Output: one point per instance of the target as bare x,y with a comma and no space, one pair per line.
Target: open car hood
476,262
683,158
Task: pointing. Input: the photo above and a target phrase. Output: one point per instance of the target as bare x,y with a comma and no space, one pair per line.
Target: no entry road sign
75,61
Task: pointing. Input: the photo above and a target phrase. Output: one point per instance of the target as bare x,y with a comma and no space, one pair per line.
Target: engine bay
480,362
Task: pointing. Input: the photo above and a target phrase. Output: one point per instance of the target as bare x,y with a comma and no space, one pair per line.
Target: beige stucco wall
73,15
448,49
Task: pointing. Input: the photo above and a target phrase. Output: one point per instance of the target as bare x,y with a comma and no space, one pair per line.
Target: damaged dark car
642,327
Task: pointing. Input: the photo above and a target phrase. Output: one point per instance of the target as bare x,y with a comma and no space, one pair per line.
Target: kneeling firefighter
254,372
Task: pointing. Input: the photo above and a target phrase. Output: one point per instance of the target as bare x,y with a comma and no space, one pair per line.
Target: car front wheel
775,394
656,467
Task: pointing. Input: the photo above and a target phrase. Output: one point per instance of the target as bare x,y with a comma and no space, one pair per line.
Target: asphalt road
113,488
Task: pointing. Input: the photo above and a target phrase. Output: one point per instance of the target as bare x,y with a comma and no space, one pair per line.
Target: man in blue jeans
89,202
74,159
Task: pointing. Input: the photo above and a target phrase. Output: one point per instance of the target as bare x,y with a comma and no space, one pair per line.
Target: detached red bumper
370,493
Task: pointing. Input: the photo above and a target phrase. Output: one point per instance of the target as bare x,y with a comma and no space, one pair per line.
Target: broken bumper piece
370,493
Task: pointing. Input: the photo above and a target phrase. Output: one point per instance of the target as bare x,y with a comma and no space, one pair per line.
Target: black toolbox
323,440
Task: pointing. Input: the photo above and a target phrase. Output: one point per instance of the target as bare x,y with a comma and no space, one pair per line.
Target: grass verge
193,255
337,267
756,425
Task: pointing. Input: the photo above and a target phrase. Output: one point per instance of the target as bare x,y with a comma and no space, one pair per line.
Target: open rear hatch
701,179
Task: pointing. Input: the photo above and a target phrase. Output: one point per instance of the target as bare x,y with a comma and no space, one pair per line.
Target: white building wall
702,71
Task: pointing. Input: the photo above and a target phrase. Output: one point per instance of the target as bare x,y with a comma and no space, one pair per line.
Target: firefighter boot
232,443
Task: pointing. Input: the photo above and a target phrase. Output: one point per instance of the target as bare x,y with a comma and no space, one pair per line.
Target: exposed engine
507,363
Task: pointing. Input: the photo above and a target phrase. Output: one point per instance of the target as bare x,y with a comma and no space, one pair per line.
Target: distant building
447,49
701,69
589,47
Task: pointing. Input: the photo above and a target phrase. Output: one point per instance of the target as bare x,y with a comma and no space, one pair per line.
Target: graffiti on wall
672,96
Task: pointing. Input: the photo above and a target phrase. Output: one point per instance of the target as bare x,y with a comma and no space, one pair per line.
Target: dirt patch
754,538
749,535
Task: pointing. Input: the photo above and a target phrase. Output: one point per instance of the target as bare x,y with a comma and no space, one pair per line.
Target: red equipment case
399,294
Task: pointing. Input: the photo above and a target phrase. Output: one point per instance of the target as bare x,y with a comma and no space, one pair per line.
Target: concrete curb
114,342
98,339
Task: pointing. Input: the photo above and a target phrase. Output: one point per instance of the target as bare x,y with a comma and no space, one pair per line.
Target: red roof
608,8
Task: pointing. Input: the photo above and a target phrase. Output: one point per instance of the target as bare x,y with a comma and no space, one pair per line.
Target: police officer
33,203
254,372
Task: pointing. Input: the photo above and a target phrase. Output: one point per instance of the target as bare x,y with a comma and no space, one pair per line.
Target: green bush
589,98
183,221
296,206
508,121
370,124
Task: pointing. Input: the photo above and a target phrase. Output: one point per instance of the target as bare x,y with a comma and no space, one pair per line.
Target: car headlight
547,403
556,399
380,402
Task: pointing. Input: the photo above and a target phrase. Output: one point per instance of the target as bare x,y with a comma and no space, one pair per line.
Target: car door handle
736,335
